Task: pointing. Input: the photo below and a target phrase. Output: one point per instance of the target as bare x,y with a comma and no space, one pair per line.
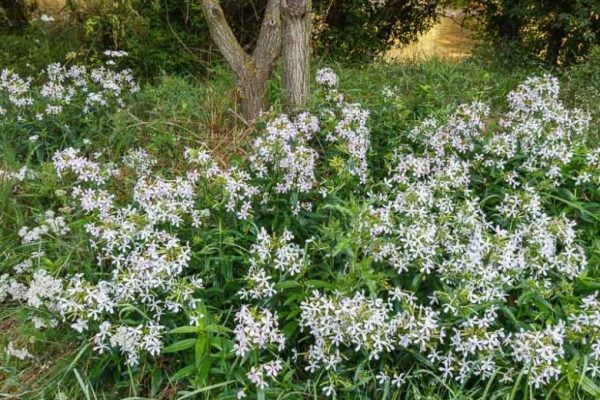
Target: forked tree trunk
252,71
296,15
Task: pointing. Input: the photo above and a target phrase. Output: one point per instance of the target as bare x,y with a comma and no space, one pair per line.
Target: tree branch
268,45
224,38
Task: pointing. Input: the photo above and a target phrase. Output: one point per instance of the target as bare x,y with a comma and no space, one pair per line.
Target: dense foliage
320,264
13,14
152,31
358,30
559,31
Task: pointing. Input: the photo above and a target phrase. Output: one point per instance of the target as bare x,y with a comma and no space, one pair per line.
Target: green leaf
319,284
590,387
339,208
575,206
201,346
290,328
217,328
204,370
185,329
187,395
184,372
179,346
287,285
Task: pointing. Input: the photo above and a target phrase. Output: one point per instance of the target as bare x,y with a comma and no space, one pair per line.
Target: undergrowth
436,240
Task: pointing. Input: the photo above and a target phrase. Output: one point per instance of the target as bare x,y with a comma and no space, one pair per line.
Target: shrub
297,271
359,30
172,36
559,32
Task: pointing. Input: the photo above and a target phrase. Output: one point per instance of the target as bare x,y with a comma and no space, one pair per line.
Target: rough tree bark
296,15
252,71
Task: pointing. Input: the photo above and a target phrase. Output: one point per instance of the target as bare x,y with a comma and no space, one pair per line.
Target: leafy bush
584,83
470,260
172,36
359,30
560,32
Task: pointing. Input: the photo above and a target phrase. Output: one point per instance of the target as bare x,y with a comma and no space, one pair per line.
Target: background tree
558,31
359,30
254,71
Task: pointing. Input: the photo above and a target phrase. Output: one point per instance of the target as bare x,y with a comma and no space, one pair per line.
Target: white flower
326,77
256,328
329,390
46,18
388,92
21,354
116,53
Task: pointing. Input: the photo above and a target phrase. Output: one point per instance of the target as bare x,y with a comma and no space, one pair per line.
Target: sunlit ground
446,40
51,5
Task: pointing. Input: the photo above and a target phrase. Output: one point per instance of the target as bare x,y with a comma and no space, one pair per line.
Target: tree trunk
253,89
252,72
296,16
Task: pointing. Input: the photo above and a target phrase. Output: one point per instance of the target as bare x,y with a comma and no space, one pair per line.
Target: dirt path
447,40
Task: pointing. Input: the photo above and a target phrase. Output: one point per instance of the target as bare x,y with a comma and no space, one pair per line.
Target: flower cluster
352,134
86,170
50,224
348,126
146,263
75,86
429,220
257,374
327,77
284,150
271,255
58,106
540,351
585,327
21,353
20,175
256,329
15,89
364,324
234,182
